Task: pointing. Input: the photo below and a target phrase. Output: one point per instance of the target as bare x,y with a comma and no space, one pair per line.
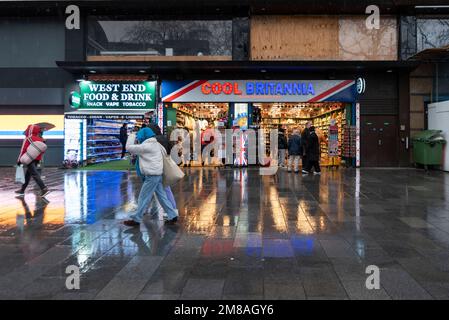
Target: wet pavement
240,236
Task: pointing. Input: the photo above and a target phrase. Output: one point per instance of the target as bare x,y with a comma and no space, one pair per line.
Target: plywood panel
294,38
322,38
357,42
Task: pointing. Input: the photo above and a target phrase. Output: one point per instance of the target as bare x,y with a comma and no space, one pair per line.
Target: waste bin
428,147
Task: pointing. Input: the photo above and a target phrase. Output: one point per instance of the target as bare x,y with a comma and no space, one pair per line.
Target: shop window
432,33
153,38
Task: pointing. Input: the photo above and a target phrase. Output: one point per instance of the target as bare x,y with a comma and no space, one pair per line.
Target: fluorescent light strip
432,7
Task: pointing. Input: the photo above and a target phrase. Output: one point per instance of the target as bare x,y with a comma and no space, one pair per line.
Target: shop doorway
379,141
199,120
92,139
332,122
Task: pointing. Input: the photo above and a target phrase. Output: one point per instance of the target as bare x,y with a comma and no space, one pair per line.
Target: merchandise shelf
105,147
104,140
103,154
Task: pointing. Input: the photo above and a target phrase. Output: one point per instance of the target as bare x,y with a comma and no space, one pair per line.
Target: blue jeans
155,203
153,185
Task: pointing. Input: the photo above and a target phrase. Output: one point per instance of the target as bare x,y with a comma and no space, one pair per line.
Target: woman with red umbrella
32,134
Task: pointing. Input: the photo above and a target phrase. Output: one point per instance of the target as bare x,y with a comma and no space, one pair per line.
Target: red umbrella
45,126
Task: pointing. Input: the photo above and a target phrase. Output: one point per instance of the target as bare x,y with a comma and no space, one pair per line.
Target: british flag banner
259,91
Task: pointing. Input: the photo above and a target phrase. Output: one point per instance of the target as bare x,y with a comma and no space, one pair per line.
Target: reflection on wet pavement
240,236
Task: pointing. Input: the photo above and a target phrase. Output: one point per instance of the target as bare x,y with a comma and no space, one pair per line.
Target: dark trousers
32,172
313,163
304,162
123,148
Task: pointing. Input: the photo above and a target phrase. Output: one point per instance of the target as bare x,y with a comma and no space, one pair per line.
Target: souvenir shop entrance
328,105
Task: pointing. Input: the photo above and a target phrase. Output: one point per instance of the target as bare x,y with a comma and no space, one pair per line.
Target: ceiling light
216,70
142,71
263,70
93,71
432,7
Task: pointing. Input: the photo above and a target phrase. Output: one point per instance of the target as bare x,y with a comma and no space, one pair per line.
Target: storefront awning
108,114
432,55
231,69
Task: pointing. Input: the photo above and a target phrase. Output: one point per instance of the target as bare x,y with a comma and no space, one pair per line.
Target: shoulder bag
171,173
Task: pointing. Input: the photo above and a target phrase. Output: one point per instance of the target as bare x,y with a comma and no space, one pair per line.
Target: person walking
304,140
163,140
313,152
123,138
150,167
294,151
282,146
32,134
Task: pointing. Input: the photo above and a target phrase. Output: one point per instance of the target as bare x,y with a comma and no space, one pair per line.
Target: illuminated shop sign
114,95
259,91
259,88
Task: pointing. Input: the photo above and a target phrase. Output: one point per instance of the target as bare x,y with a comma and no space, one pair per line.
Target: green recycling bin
428,147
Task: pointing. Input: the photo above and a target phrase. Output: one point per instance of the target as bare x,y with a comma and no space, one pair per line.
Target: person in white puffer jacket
149,166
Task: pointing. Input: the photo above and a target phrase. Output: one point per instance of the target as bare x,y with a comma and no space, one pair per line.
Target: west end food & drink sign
259,91
114,95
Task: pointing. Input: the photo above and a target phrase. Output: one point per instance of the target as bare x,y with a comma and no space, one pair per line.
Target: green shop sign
115,95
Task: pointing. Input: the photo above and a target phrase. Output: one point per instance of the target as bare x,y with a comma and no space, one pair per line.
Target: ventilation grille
379,106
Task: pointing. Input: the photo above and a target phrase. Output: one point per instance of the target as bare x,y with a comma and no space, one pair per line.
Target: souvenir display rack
322,123
289,117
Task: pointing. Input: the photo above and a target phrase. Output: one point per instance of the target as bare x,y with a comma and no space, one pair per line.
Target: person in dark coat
282,146
123,137
313,152
294,151
304,139
162,139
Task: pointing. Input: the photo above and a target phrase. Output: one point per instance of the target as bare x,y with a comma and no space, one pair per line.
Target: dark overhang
222,7
233,69
432,55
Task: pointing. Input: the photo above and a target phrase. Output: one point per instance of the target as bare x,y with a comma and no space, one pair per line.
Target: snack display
103,142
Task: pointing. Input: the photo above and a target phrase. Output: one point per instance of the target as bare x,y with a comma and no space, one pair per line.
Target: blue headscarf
142,135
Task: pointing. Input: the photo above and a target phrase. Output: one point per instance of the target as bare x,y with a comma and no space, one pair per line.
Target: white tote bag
171,173
20,174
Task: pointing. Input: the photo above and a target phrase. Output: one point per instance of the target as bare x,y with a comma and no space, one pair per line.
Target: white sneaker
317,173
304,172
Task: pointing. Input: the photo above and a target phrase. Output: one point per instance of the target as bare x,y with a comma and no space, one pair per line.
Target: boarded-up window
322,38
357,42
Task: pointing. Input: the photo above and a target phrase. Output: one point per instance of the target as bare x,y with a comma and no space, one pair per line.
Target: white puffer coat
150,155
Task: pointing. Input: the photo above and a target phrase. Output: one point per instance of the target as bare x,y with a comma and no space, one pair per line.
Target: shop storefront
330,105
96,112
